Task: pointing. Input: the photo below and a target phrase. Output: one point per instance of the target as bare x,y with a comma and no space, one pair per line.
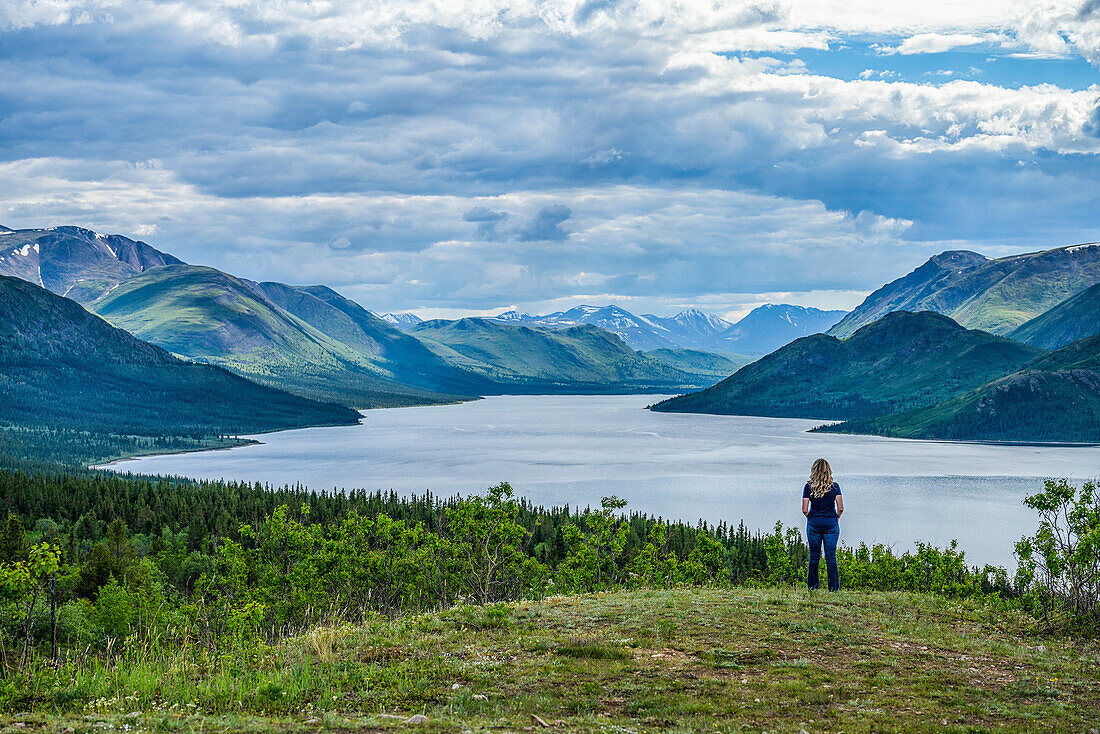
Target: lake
576,449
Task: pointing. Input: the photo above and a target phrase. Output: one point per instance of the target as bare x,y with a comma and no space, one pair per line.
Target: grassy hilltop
643,661
213,606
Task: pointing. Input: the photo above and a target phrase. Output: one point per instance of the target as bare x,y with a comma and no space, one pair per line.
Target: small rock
19,725
312,721
417,719
943,722
456,686
803,731
479,697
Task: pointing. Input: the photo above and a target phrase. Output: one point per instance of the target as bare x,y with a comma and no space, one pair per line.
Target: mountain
210,316
1055,398
768,327
401,320
761,331
1075,318
76,262
691,326
639,332
65,369
582,358
401,357
901,361
713,367
306,339
981,293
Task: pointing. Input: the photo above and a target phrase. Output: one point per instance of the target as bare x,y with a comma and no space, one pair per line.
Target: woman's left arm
839,505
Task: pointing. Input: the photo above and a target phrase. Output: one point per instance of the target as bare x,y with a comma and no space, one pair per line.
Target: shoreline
243,443
969,442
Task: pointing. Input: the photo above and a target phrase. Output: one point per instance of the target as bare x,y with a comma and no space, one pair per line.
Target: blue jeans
818,531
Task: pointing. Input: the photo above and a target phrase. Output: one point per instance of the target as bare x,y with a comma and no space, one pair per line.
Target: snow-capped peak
512,316
400,319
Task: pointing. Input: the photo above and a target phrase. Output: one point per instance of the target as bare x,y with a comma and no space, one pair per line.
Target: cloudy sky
467,156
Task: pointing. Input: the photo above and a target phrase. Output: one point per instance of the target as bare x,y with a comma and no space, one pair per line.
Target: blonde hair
821,478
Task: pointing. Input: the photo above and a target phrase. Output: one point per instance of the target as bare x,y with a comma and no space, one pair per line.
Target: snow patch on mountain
400,320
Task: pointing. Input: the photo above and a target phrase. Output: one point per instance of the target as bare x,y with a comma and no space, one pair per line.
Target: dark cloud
587,9
1092,126
1088,9
546,225
762,14
486,220
284,153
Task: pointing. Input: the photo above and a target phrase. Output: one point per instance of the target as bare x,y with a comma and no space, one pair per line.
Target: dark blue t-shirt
824,506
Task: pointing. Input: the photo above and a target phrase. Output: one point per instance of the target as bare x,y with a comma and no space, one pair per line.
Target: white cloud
1060,27
672,243
446,153
934,43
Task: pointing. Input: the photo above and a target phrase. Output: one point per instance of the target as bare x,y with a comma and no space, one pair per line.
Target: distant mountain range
401,320
583,358
981,293
761,331
68,377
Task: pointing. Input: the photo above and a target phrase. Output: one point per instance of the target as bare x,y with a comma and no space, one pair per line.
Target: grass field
647,661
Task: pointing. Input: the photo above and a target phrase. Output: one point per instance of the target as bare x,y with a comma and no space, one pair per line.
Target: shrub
1059,566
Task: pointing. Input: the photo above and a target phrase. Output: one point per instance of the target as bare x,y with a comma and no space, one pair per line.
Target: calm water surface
576,449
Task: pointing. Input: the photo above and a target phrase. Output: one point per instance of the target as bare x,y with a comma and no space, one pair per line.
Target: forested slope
74,387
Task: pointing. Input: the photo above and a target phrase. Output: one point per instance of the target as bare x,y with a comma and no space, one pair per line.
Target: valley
963,348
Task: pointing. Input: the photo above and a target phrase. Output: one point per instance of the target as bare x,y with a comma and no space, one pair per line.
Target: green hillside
1075,318
981,293
402,357
578,359
715,366
207,315
901,361
1056,398
75,385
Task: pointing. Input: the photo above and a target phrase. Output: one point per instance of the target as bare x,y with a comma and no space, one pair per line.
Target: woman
822,505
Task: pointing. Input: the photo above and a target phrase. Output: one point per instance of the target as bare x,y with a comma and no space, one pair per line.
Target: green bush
1059,566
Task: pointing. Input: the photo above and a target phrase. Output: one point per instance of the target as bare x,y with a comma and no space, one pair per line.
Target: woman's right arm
805,506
